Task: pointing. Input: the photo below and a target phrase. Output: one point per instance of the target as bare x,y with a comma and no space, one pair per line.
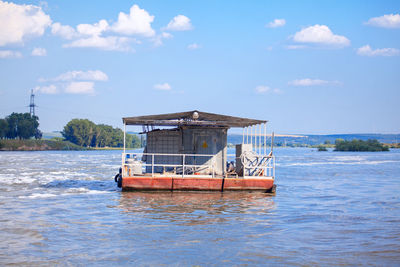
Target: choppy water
331,208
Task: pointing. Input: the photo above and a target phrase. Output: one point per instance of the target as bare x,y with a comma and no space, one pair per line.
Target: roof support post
259,139
124,137
243,135
265,139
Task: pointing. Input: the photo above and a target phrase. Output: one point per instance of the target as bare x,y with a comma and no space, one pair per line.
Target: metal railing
187,165
151,163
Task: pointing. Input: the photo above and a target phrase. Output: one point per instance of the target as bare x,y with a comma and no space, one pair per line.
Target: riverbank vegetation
371,145
37,145
20,126
85,133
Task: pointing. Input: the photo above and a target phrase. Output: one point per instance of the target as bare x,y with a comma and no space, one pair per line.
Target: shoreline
46,145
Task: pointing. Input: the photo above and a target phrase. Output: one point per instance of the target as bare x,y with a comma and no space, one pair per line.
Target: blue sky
306,66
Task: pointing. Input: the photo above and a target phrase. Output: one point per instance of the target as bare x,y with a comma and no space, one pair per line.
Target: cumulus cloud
179,23
80,88
20,22
158,40
39,52
193,46
50,89
73,82
385,21
366,50
10,54
320,34
109,43
276,23
262,89
64,31
163,86
311,82
115,37
137,22
90,75
95,29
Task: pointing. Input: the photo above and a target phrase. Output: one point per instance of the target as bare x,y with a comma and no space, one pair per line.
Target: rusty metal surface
196,184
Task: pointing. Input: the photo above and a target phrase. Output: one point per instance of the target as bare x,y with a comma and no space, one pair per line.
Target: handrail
265,166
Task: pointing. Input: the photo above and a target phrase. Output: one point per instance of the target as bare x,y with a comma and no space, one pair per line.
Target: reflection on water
334,208
195,208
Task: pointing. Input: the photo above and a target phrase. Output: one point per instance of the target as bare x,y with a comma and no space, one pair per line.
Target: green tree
22,126
80,132
104,135
3,128
371,145
85,133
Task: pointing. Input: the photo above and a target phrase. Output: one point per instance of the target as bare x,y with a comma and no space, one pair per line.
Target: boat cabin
188,151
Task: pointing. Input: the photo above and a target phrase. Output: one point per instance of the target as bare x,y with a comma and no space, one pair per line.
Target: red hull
197,184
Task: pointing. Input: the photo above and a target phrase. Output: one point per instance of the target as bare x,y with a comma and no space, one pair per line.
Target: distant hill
292,140
50,135
295,140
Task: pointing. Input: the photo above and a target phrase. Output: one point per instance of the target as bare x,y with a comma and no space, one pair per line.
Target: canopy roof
191,118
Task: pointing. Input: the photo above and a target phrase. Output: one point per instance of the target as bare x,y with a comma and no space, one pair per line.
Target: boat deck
197,183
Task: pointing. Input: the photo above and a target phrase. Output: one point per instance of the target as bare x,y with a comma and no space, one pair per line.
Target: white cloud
90,75
385,21
109,43
158,40
50,89
162,86
179,23
95,29
100,35
73,82
311,82
193,46
366,50
320,34
262,89
276,23
20,22
80,88
39,52
295,47
138,21
166,35
10,54
64,31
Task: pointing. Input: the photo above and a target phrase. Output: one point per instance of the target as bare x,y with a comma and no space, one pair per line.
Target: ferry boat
187,151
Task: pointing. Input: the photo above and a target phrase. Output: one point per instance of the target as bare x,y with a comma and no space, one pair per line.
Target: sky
308,67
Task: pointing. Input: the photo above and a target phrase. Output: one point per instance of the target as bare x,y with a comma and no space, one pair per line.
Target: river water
331,208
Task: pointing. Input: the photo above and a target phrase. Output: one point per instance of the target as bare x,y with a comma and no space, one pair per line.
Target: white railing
254,165
139,163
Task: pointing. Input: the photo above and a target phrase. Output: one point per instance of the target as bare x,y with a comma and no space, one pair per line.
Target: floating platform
148,183
189,152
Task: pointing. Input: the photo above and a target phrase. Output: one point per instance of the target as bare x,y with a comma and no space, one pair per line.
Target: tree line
86,133
371,145
21,126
